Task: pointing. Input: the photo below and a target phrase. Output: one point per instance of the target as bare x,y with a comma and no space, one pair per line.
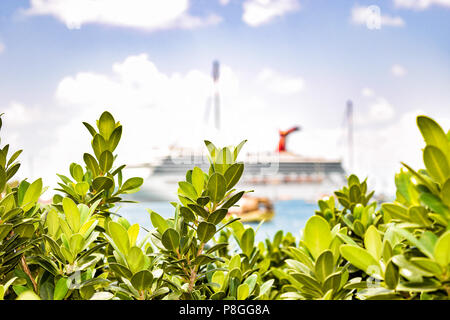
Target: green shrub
79,247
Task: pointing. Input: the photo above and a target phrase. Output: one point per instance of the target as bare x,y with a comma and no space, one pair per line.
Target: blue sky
295,63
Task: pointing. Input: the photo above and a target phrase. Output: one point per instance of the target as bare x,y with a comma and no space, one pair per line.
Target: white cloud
142,14
372,17
17,114
379,109
224,2
398,70
2,47
279,83
367,92
421,4
258,12
157,109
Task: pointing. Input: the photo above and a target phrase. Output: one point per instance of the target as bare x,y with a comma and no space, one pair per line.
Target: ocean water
290,216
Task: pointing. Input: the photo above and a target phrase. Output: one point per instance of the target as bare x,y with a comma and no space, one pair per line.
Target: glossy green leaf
233,174
445,193
188,190
135,259
171,239
114,139
106,124
247,241
102,183
91,164
433,133
442,250
187,214
198,180
216,187
199,210
32,195
61,288
98,145
106,161
120,237
132,184
142,280
238,149
317,235
217,216
72,214
205,231
436,163
158,222
391,276
324,265
396,211
372,242
243,291
361,259
219,278
82,188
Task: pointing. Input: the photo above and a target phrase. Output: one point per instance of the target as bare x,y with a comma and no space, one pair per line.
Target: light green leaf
106,124
198,180
61,288
188,190
106,161
205,231
442,250
32,195
243,291
219,278
158,222
372,242
436,163
233,174
445,193
216,187
247,241
114,139
135,259
132,184
171,239
324,265
391,276
133,232
361,259
120,237
142,280
72,214
317,235
433,133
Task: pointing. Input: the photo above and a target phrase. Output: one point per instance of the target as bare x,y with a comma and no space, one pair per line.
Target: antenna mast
349,116
215,76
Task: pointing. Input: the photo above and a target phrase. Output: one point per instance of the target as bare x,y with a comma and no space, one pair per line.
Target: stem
28,272
194,270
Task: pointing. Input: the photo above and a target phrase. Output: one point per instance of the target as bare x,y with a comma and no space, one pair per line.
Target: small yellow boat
257,215
254,209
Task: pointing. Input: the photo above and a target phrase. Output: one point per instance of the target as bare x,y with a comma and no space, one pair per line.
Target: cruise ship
278,175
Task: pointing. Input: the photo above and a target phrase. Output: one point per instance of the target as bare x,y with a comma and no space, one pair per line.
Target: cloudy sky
283,63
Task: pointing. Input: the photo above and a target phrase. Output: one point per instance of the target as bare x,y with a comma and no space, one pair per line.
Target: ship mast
349,116
214,101
215,76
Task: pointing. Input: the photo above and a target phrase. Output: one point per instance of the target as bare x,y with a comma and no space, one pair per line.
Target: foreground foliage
79,247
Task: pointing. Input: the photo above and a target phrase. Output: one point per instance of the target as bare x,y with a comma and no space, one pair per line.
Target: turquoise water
290,216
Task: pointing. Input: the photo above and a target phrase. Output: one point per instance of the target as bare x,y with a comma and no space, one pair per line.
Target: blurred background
350,75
